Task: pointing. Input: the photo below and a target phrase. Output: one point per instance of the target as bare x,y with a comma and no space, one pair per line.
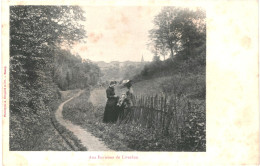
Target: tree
35,33
156,59
32,28
178,30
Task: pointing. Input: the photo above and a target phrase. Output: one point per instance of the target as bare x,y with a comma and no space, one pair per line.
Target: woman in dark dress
111,112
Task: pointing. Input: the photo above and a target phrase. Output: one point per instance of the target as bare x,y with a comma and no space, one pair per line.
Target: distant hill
116,70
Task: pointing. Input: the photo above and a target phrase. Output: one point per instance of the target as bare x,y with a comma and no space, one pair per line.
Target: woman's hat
127,83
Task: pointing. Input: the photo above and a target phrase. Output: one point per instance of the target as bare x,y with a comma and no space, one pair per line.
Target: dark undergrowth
49,139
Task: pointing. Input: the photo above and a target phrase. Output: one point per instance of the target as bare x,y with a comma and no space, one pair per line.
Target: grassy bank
45,138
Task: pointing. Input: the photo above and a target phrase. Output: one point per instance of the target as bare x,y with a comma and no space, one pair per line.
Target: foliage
193,135
118,70
156,59
189,88
35,33
70,72
178,31
185,86
34,28
183,33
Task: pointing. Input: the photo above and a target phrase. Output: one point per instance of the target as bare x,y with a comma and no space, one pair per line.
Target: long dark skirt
111,111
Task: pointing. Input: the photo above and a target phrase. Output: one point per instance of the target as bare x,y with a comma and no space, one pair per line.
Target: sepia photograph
107,78
130,82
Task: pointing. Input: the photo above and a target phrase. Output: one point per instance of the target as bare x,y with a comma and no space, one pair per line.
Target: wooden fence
165,115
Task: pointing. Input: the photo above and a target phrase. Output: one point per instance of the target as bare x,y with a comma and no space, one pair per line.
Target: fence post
156,110
151,112
161,112
165,112
146,110
142,109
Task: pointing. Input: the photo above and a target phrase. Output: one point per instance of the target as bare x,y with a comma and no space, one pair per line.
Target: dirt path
87,139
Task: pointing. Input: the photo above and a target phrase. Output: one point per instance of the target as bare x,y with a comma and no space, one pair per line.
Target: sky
117,33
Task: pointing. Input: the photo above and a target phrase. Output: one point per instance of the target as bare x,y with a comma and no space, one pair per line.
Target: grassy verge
51,140
44,138
71,140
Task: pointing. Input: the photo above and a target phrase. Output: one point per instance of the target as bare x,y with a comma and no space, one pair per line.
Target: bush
193,135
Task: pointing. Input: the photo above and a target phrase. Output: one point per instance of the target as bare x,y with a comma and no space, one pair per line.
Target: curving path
87,139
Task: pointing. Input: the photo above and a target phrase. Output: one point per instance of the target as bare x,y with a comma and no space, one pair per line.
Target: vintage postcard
130,82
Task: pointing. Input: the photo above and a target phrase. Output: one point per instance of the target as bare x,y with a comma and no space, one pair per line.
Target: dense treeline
70,72
118,70
39,68
120,73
